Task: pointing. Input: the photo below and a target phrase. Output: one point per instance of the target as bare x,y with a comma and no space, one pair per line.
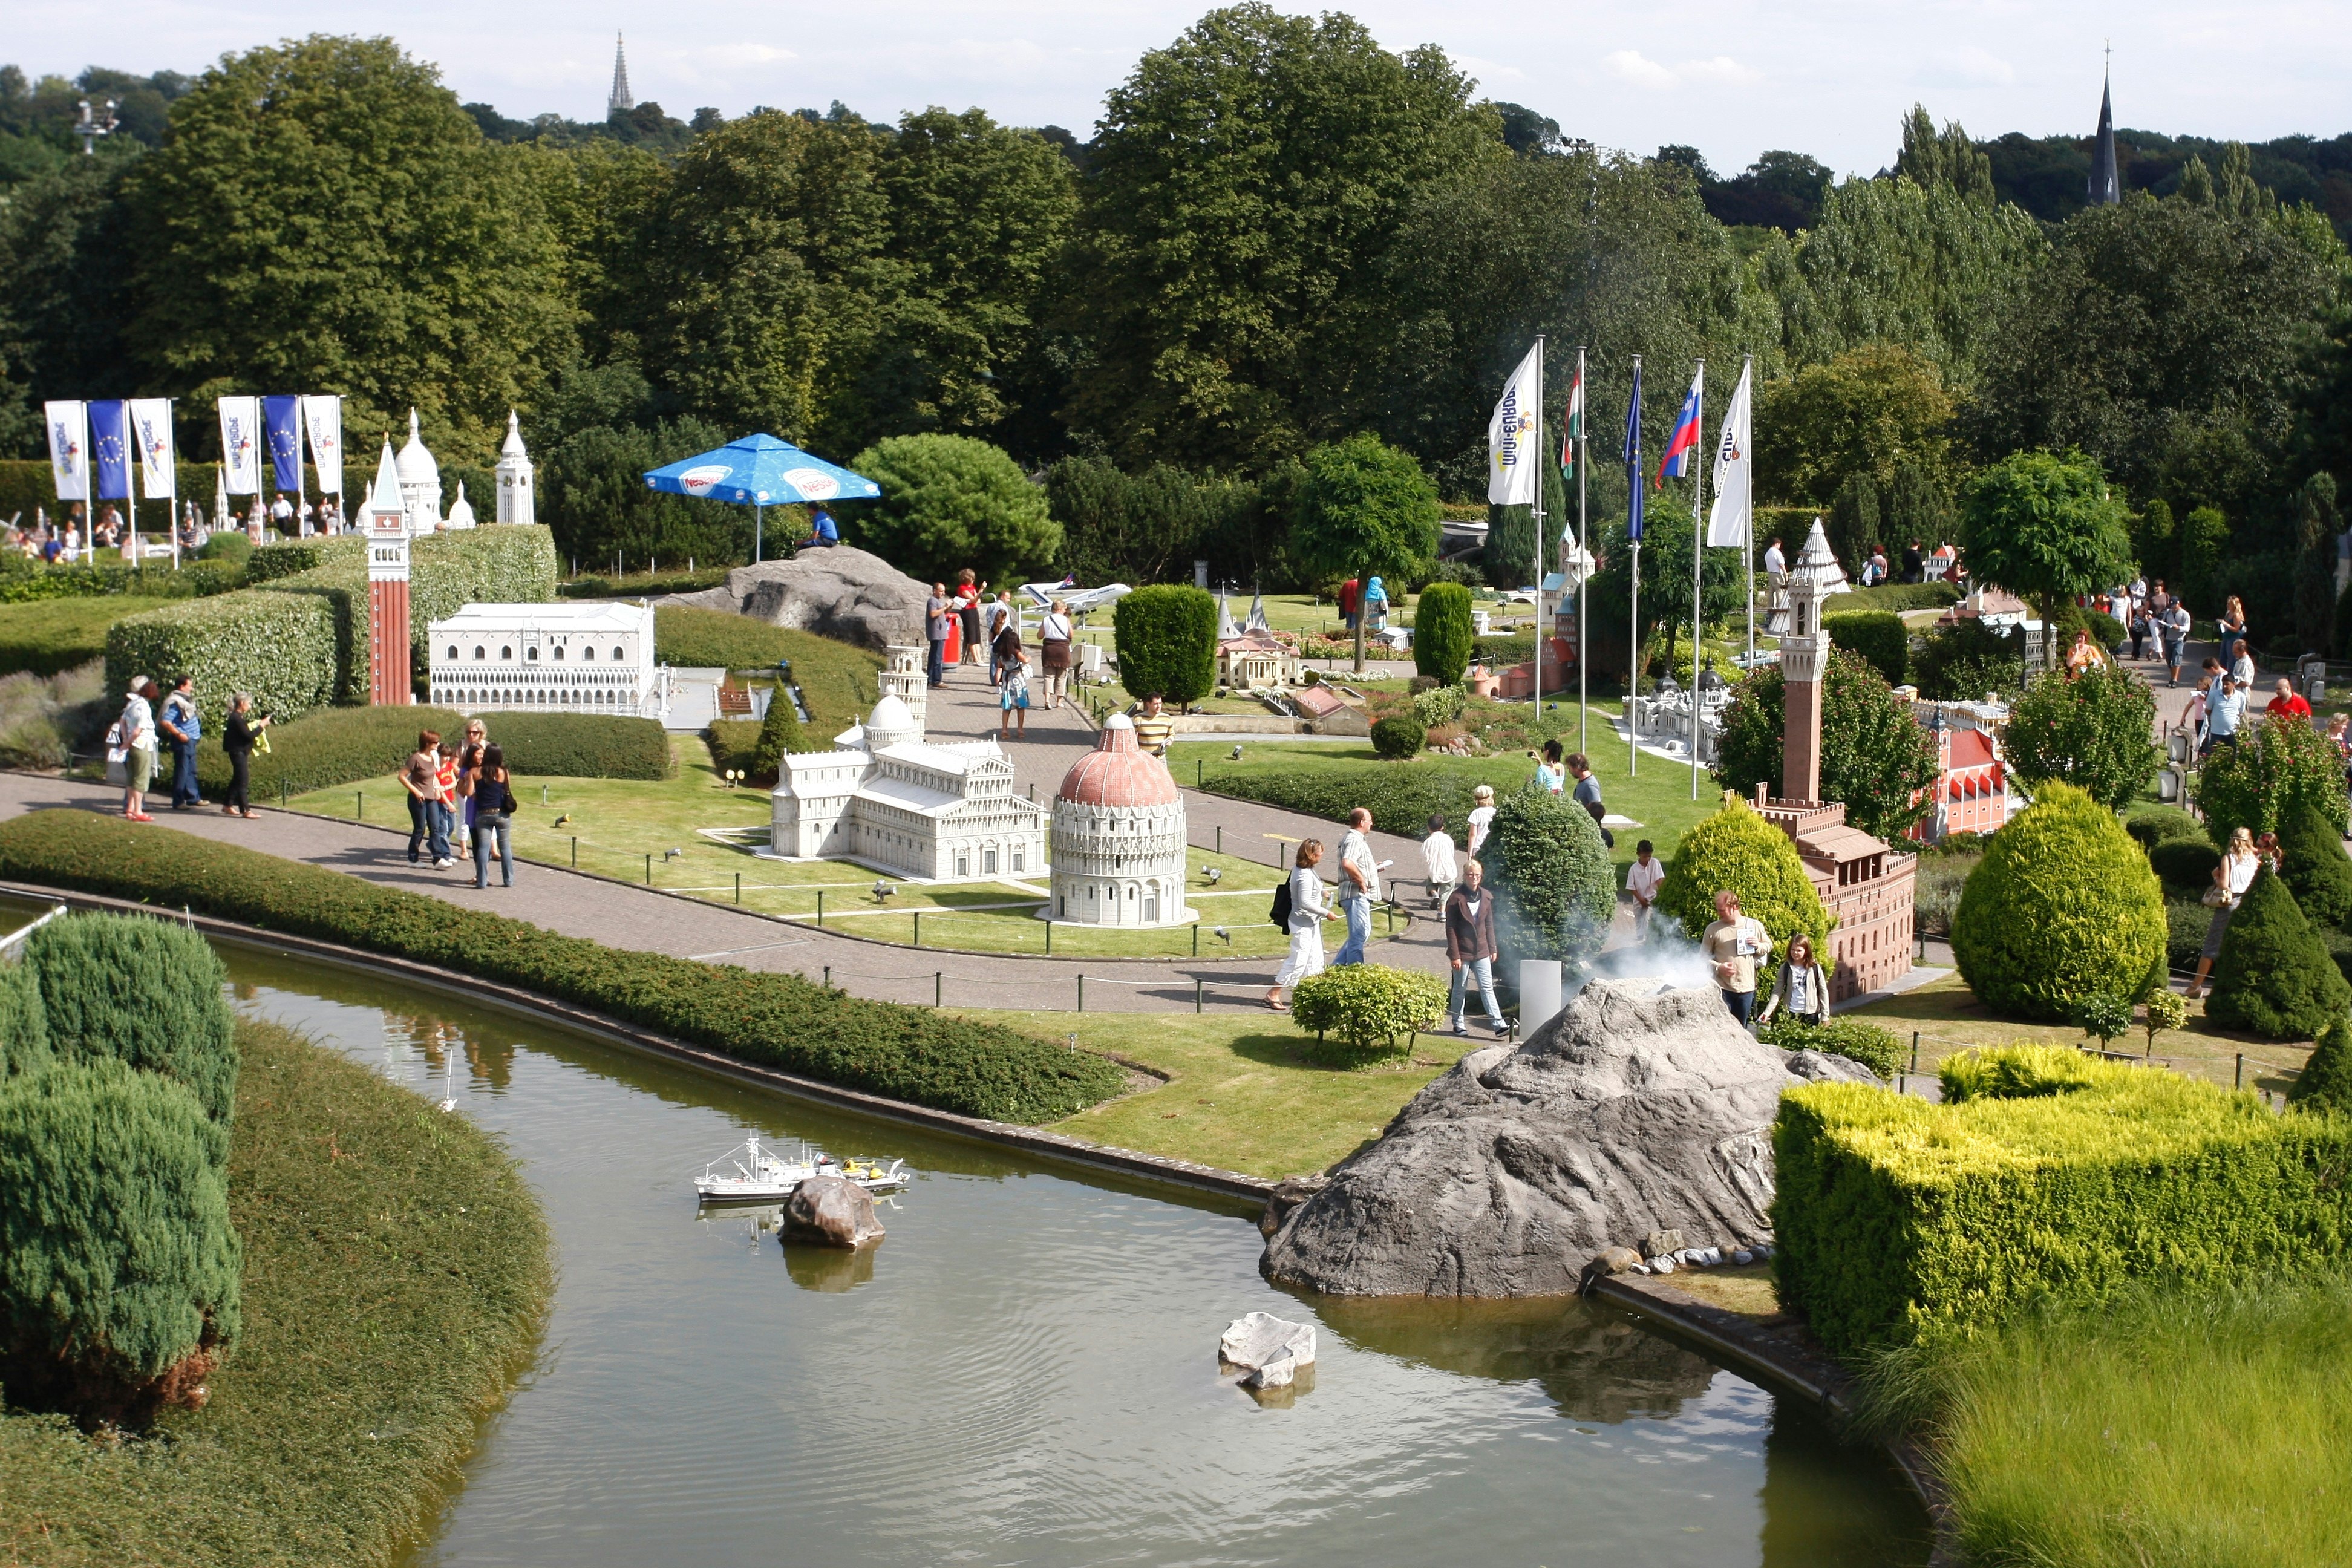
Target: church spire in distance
2106,190
622,100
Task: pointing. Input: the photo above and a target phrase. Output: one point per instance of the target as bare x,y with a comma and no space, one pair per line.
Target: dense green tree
323,214
2043,526
1875,756
61,299
1867,412
1443,640
1916,505
1555,888
2204,552
2317,524
1150,527
1853,526
2090,731
2155,543
1243,196
1364,509
949,502
1665,586
2278,769
1168,642
593,495
1964,660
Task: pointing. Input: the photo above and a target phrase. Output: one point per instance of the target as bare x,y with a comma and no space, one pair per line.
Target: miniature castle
1118,837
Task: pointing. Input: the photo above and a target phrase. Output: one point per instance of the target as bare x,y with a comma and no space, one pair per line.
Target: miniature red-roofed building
1119,837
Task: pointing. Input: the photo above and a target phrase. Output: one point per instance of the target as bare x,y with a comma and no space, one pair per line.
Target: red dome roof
1115,773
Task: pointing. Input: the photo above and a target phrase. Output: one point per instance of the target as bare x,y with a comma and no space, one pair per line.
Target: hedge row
1879,636
50,637
1935,595
1402,800
2044,1173
778,1020
645,585
342,745
23,580
837,679
281,648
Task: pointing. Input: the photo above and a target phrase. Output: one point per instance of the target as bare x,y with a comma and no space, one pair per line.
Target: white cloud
1968,67
1721,69
1632,65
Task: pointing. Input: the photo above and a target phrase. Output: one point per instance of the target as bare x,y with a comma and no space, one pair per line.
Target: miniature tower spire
389,682
513,473
1804,656
622,100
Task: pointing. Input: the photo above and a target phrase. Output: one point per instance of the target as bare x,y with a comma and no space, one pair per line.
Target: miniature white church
887,798
420,483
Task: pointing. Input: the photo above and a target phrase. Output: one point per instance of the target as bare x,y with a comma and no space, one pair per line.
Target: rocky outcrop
841,592
1270,1351
828,1211
1632,1111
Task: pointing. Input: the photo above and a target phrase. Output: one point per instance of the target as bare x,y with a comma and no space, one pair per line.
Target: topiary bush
2062,907
2316,868
2277,770
1167,637
142,991
2155,824
342,745
1399,739
1442,635
1361,1012
2090,731
2275,977
24,1028
1736,848
2326,1083
952,502
2186,863
281,647
1555,889
1872,1044
780,732
118,1265
233,548
1878,637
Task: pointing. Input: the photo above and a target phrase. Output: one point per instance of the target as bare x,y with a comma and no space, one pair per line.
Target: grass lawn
47,635
1241,1092
396,1273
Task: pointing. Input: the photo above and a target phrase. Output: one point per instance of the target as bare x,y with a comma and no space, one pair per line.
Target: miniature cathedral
420,483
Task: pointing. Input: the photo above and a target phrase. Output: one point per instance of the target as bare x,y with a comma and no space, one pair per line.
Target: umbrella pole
755,533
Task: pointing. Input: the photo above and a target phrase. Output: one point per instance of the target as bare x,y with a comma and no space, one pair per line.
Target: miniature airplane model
1079,601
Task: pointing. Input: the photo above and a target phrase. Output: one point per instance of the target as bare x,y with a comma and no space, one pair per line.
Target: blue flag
1634,457
110,444
281,418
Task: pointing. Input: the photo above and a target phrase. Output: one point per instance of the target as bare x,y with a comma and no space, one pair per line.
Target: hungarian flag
1683,442
1571,425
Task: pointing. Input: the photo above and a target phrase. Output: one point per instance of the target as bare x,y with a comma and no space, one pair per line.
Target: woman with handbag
130,746
1054,651
494,809
2232,877
240,739
1802,990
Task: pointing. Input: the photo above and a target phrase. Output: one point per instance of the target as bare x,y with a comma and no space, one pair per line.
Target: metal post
2239,1081
281,794
1196,939
1200,765
820,906
918,928
1082,993
359,805
542,794
649,868
1196,994
1584,544
938,983
1914,1050
828,976
1220,839
575,851
1049,939
739,887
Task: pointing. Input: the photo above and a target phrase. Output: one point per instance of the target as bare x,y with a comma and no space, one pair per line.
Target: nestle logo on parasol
699,480
815,484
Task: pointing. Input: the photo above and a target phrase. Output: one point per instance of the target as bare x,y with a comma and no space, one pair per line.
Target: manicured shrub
2316,868
1555,888
775,1019
2275,771
1167,637
48,636
949,502
142,991
780,731
231,547
580,746
1442,636
2184,863
1363,1012
344,745
2155,824
1934,595
1439,705
734,743
24,1028
1736,848
2275,977
1878,637
2063,906
1962,662
2186,922
1856,1039
2326,1083
1876,756
2091,731
118,1265
1401,799
281,647
2045,1172
1398,739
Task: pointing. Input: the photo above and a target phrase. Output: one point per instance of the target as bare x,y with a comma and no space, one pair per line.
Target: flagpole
1542,442
1584,567
172,423
1747,523
1698,551
1633,666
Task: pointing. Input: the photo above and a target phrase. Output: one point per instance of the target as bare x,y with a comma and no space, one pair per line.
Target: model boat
755,1172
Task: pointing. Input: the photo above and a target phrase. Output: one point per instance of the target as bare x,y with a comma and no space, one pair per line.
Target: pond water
1024,1372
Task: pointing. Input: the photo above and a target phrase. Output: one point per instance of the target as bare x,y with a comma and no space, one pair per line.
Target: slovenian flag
1684,443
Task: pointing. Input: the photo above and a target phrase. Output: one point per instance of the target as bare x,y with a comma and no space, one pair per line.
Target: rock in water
1272,1349
841,592
828,1211
1631,1111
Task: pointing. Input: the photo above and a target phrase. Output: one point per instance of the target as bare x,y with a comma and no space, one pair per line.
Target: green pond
1026,1371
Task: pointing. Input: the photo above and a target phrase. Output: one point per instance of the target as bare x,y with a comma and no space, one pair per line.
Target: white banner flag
1735,467
70,448
324,415
1514,440
150,427
240,423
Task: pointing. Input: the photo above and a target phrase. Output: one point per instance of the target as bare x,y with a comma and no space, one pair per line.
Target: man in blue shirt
823,534
2225,711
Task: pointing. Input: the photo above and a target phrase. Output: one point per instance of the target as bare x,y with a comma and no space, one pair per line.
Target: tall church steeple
2105,189
622,100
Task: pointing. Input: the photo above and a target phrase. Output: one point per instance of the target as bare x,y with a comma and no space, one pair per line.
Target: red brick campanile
389,682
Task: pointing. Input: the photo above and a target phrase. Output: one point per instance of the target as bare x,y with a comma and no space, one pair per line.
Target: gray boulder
1826,1066
844,594
1632,1112
1270,1351
828,1211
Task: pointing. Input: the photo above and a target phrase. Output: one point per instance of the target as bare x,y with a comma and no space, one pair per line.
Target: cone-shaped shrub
2326,1080
1736,848
2317,871
1554,884
1443,634
23,1033
2274,975
118,1265
143,991
2061,908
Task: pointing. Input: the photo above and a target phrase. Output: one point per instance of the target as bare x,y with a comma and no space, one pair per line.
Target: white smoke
1669,958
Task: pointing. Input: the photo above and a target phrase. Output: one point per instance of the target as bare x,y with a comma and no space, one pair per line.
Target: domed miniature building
420,482
1118,837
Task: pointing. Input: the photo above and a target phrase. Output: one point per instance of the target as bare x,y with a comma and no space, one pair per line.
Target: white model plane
1079,601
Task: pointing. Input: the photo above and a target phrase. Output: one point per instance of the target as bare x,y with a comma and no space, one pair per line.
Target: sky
1831,77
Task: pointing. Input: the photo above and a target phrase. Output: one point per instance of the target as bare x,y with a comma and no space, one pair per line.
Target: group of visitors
460,802
1309,907
966,620
1367,598
153,724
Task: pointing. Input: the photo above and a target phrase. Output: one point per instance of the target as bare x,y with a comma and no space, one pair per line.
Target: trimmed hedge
23,581
1737,849
281,647
24,1028
1167,637
119,1268
1369,1008
2274,975
344,745
2062,907
1872,1044
140,991
734,743
2155,824
2325,1083
777,1020
1935,595
1401,799
49,636
1555,889
2184,863
1878,637
2048,1173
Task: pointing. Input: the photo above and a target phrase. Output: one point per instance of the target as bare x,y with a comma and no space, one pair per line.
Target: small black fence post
649,868
359,805
820,908
1914,1050
918,928
939,985
1082,993
2239,1081
575,851
739,887
1196,994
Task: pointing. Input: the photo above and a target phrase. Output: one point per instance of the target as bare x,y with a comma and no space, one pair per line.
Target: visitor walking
1588,787
1802,990
182,727
1360,885
1303,910
1776,563
1349,593
1376,605
2232,877
1437,860
968,593
2139,627
2174,621
936,613
2225,713
1003,637
1054,650
469,769
1734,944
2242,665
1643,878
1551,772
131,745
237,739
1915,563
2287,703
494,812
1013,694
420,776
1471,950
1482,816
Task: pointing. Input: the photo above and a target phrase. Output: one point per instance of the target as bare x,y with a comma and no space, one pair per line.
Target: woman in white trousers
1309,910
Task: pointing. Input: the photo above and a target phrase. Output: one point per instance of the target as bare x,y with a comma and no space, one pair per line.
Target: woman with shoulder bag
2232,877
134,736
1802,990
494,809
1053,645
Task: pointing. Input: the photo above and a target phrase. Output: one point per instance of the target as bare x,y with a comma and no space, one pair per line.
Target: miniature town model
1250,657
386,522
1118,837
420,484
885,797
588,658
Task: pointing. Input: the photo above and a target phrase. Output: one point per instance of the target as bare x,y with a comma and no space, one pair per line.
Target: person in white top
1437,857
133,737
1776,564
2232,877
1482,817
1642,879
1360,886
1054,651
1309,911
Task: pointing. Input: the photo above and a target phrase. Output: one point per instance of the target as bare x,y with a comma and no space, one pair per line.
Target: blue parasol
762,471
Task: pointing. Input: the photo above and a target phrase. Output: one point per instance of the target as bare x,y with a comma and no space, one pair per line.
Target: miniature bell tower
514,475
1804,656
386,526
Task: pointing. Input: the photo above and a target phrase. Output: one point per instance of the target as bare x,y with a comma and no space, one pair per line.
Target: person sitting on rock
1802,990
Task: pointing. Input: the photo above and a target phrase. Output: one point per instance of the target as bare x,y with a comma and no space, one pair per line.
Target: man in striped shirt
1152,726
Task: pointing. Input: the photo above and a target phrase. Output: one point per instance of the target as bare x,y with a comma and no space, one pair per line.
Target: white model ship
752,1173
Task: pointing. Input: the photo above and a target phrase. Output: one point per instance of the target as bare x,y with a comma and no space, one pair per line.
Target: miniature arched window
530,655
453,650
559,651
478,650
618,654
589,652
506,651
